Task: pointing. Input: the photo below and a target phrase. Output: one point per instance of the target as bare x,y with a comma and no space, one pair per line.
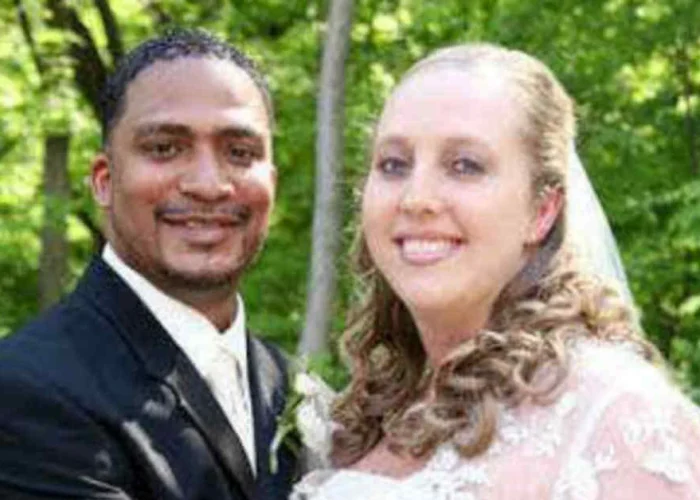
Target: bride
487,361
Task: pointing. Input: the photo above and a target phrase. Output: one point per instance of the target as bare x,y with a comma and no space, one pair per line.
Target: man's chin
201,279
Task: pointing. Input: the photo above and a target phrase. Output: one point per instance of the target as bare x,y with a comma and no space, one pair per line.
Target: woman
485,363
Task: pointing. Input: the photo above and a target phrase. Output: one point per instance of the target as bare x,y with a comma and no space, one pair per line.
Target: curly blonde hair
546,305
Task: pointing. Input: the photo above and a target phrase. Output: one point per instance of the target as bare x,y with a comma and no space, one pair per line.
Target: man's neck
218,305
218,302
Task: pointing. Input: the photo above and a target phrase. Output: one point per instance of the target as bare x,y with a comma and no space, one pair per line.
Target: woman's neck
442,332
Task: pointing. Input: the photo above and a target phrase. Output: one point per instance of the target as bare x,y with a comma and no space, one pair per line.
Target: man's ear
101,180
549,206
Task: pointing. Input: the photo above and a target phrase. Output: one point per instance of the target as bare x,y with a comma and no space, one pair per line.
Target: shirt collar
190,329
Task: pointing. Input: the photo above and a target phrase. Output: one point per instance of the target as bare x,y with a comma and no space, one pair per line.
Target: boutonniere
306,418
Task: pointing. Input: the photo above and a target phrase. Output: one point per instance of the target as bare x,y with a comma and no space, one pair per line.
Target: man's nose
207,177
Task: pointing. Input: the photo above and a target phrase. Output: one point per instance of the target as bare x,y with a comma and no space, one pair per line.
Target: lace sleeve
639,443
310,484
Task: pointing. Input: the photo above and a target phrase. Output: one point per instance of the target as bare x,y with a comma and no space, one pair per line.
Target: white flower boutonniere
306,419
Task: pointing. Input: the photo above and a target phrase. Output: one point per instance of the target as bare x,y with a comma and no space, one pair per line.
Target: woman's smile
425,251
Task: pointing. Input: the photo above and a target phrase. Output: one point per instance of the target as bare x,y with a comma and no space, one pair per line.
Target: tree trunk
112,31
90,72
53,261
329,157
54,247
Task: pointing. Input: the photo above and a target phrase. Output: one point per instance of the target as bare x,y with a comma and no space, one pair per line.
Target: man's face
188,183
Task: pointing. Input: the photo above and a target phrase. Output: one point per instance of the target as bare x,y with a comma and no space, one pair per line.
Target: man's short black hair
172,45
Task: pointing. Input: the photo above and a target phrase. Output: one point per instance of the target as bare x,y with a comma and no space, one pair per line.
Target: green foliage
632,65
327,367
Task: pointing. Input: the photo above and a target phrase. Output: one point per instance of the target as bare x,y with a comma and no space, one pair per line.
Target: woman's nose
421,194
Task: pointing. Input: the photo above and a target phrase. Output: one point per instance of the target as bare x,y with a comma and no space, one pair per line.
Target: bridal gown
618,430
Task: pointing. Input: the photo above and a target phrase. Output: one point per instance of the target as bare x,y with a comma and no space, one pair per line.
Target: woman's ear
101,180
549,205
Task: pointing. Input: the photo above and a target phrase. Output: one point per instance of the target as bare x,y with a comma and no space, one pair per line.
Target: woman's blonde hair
549,302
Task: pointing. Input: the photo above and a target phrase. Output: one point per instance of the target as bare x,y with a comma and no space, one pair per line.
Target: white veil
588,231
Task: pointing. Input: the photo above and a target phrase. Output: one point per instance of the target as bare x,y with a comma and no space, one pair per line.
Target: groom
144,383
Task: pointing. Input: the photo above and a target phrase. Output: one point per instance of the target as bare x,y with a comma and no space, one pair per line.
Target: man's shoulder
42,332
70,347
74,309
36,356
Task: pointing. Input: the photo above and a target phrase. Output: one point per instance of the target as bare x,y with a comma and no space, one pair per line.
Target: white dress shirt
202,342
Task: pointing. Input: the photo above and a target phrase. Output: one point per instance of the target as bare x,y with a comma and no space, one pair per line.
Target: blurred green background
633,67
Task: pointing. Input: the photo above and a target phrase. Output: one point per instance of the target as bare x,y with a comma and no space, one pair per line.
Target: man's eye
393,166
240,155
162,150
466,166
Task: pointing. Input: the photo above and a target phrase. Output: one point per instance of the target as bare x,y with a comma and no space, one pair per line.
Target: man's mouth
205,228
227,216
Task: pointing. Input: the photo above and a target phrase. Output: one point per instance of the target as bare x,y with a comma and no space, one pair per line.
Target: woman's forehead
449,99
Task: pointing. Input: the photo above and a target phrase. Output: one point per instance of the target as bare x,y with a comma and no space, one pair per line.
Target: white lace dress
619,430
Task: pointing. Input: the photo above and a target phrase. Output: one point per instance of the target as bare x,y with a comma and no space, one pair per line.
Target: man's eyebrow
163,128
239,132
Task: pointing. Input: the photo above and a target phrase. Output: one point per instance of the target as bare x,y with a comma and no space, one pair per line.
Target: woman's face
447,208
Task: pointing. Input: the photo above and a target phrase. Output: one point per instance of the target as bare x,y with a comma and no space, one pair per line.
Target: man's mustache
234,214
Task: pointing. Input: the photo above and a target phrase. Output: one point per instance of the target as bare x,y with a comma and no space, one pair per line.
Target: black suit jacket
97,401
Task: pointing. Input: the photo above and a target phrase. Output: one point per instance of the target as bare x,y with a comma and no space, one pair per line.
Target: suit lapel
206,413
164,360
268,379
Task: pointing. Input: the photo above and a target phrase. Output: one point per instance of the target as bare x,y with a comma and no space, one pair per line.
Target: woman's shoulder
634,431
614,378
605,368
615,392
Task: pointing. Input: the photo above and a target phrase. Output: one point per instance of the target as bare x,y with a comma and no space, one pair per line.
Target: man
143,383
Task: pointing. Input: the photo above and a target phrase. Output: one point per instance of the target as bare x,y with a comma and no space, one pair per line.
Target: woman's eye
393,166
465,166
162,150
